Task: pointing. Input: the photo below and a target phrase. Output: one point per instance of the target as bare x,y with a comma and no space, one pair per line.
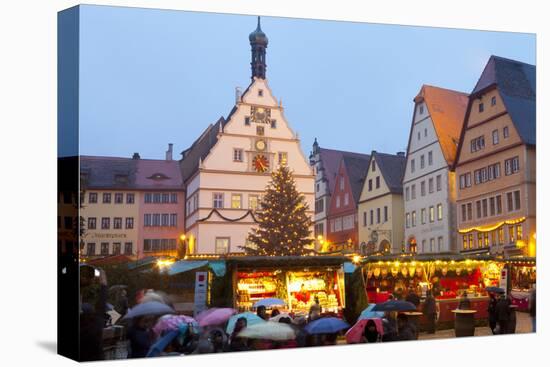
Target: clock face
260,115
260,163
260,145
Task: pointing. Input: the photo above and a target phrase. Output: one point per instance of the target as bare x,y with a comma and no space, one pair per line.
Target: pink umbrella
171,322
215,316
355,334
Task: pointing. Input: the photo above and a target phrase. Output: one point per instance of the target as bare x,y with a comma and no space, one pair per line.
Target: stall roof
183,265
286,261
428,257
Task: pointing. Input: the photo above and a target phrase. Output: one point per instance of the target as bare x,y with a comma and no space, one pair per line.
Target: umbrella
495,290
368,313
148,308
280,316
355,334
268,331
162,343
394,305
251,319
270,302
326,325
173,322
215,316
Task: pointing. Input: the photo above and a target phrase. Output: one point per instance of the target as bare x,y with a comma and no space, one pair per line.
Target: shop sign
201,289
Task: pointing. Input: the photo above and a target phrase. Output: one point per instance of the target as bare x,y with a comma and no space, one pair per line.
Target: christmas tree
283,223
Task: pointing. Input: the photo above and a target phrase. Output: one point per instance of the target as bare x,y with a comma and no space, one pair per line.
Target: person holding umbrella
261,311
237,344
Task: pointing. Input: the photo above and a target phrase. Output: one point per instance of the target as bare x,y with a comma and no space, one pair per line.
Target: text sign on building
504,280
201,289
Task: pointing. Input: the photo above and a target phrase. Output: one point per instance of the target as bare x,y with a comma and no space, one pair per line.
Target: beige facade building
227,169
496,162
381,208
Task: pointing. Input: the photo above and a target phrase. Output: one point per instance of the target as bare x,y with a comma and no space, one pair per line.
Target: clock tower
258,43
227,169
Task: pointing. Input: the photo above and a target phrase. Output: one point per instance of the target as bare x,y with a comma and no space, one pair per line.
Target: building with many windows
131,206
227,169
496,162
342,218
381,205
325,163
429,182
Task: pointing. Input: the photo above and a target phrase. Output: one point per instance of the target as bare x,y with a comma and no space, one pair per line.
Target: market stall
448,277
300,281
523,277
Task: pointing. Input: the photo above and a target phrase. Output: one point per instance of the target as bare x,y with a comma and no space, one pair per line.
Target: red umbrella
215,316
355,334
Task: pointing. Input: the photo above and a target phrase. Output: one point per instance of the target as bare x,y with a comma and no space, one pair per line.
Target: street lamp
182,248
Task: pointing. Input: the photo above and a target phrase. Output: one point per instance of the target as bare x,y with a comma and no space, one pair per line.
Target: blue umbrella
394,305
251,319
270,302
162,343
326,325
149,308
368,313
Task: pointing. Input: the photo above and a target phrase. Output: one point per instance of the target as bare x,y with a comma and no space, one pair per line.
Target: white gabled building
428,182
226,170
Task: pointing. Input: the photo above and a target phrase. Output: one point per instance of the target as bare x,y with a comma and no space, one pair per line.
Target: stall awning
182,266
218,267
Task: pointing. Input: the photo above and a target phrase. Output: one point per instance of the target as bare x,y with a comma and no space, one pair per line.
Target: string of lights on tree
283,223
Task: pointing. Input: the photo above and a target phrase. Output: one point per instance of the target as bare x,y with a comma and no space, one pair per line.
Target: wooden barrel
464,322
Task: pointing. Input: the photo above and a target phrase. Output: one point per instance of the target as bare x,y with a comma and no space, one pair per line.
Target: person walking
430,312
533,308
140,336
492,312
412,297
503,314
405,329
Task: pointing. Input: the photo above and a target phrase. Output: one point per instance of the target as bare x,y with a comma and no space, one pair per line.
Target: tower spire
258,43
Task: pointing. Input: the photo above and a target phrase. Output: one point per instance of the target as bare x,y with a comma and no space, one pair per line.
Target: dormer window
421,110
481,107
273,124
121,179
247,121
260,92
158,176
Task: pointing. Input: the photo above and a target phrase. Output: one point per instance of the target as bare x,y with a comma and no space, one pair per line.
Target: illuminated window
222,245
432,214
471,241
500,235
423,216
414,218
511,234
486,239
519,232
479,239
283,158
493,237
439,211
253,202
236,201
407,219
439,244
465,242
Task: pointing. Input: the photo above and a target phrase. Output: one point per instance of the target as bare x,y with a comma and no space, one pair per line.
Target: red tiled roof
447,109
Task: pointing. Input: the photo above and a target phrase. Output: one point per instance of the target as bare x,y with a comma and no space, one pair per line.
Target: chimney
238,94
401,154
136,156
169,152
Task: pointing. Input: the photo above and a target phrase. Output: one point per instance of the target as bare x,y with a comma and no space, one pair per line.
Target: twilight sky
153,77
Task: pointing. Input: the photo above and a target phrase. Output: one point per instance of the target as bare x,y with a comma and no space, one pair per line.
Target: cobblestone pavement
523,326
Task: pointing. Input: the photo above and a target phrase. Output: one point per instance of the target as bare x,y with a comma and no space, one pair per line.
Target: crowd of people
145,337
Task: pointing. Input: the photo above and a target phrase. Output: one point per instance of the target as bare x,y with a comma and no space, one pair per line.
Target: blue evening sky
153,77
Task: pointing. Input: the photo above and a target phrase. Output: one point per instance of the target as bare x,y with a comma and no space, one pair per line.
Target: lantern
377,272
384,272
444,271
419,272
404,272
394,272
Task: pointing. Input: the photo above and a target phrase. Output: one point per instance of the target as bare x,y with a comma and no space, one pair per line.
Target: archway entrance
385,247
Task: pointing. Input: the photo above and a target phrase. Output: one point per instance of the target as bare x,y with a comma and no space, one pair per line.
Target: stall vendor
303,295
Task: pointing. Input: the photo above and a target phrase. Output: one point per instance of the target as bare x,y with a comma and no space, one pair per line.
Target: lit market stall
299,280
447,276
523,277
